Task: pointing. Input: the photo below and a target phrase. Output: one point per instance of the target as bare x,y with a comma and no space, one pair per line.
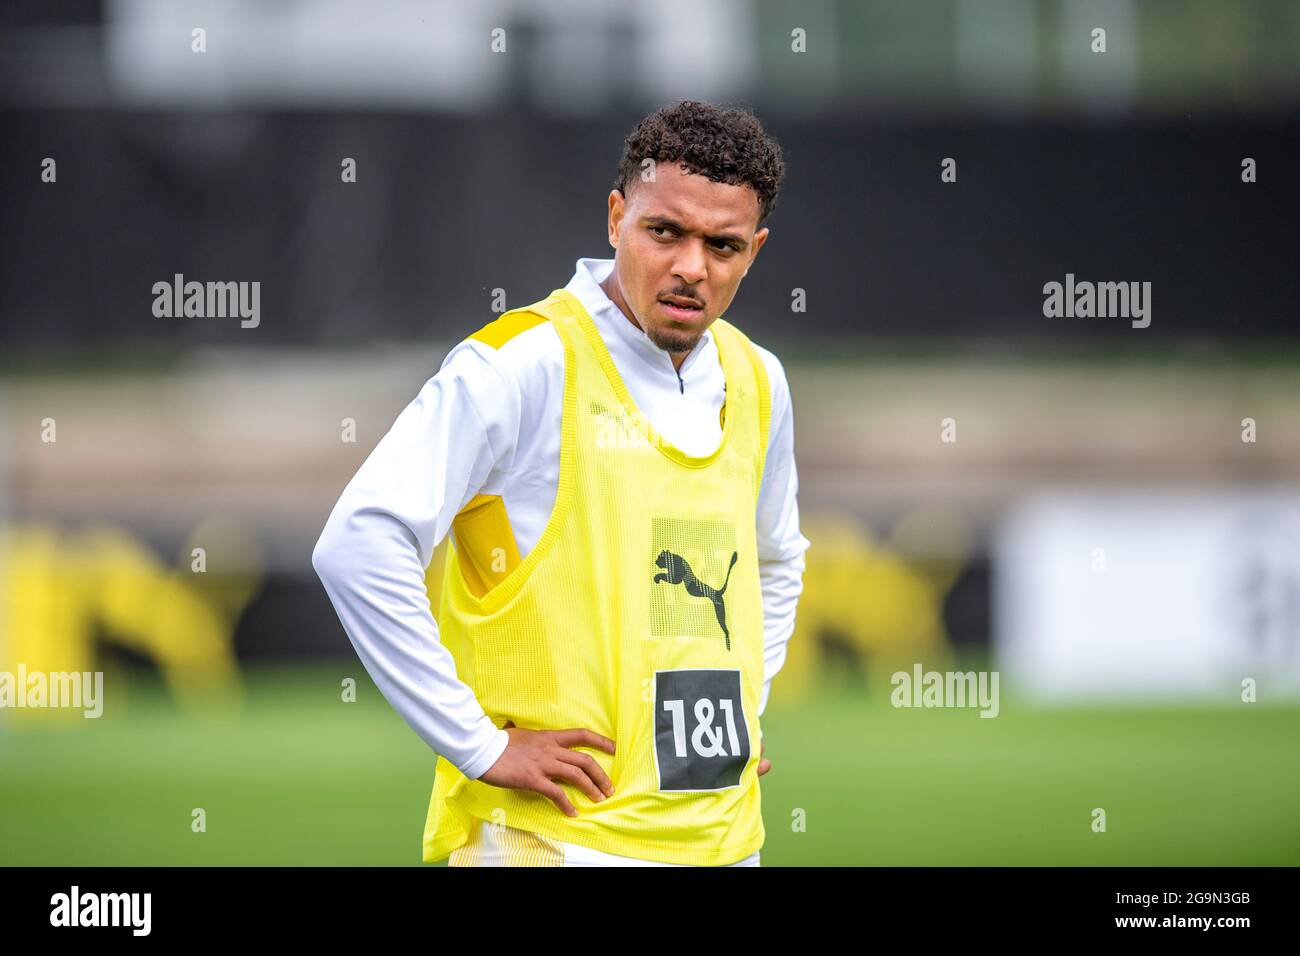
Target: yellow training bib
637,615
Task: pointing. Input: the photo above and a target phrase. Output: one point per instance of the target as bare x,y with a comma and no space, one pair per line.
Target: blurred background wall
1105,512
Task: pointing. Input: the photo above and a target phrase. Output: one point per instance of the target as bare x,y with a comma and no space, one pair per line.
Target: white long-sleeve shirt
489,423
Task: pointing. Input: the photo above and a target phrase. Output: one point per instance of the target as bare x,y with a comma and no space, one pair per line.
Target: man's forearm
782,583
368,562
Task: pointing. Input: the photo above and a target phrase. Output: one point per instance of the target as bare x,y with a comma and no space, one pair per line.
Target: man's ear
617,206
760,237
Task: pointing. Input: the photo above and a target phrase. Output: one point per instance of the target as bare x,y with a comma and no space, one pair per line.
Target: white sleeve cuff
490,754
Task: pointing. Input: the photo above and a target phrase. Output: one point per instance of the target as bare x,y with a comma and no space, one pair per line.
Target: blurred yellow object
872,596
58,592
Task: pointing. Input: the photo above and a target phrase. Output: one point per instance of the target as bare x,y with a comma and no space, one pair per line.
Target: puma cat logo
677,571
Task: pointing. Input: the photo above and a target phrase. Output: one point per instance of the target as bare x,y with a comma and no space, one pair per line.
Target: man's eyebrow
732,237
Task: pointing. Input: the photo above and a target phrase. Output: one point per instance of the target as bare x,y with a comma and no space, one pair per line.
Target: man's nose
691,265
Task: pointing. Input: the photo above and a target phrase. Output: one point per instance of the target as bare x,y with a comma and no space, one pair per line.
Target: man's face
682,244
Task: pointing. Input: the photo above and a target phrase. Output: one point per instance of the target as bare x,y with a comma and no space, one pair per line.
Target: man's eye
658,229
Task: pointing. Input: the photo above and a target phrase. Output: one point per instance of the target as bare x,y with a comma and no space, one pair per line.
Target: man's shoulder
777,384
519,337
521,346
504,329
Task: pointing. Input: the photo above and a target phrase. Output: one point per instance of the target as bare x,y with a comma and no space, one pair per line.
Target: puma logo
677,571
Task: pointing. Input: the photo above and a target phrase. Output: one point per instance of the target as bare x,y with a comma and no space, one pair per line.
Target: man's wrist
490,754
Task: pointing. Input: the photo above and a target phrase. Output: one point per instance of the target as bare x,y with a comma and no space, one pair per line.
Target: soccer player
615,467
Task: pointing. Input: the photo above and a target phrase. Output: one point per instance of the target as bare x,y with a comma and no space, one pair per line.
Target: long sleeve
379,539
781,545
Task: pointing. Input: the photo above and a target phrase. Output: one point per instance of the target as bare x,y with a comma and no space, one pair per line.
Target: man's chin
672,340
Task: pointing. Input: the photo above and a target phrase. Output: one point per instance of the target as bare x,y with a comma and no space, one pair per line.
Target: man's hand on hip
535,759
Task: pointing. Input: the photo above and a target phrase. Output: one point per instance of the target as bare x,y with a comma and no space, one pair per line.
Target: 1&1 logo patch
701,738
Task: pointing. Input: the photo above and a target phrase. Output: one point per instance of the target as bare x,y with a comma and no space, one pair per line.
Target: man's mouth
681,307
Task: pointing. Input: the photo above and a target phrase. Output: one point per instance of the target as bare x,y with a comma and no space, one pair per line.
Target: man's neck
615,294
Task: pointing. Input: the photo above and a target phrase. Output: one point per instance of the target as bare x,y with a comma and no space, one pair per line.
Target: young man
615,465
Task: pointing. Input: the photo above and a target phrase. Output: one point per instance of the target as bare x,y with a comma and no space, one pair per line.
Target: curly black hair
726,145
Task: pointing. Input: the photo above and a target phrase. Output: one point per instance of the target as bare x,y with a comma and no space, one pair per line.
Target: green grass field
299,777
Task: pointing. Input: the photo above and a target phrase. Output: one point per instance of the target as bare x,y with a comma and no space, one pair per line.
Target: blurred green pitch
302,778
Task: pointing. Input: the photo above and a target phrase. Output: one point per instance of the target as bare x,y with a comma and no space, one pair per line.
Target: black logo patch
701,737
